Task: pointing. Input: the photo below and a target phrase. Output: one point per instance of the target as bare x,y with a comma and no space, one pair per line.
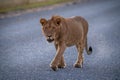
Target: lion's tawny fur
66,32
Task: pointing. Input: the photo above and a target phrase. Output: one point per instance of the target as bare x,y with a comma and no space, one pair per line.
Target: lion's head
51,27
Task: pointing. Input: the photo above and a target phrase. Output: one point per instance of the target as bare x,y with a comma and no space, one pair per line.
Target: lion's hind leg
79,62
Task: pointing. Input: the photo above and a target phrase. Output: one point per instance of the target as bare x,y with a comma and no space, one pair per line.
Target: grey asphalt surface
25,54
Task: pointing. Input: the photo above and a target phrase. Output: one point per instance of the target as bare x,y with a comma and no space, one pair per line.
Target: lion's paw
78,65
61,66
54,68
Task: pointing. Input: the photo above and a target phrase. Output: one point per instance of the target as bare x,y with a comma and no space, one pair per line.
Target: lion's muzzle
50,39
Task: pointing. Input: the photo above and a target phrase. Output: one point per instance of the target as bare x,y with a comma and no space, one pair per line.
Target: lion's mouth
50,40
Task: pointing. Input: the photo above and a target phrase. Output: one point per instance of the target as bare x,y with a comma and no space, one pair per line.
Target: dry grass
33,5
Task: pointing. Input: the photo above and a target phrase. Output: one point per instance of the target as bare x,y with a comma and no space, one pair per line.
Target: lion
66,32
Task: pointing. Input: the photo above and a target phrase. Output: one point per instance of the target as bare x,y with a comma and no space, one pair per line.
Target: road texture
25,54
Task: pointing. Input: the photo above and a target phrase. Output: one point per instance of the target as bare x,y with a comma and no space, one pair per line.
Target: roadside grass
32,5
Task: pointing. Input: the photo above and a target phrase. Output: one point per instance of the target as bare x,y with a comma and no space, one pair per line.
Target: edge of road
20,12
50,7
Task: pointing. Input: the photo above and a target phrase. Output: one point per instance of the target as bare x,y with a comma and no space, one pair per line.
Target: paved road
25,54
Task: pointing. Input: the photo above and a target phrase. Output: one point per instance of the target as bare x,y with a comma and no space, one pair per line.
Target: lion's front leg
79,62
61,62
60,50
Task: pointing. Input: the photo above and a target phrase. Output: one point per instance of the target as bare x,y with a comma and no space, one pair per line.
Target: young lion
66,32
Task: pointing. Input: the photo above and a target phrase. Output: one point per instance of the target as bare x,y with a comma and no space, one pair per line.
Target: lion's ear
43,21
58,21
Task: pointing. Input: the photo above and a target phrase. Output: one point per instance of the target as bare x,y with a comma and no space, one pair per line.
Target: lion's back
80,19
76,29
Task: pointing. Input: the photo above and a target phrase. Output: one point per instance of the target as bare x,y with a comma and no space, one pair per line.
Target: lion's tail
89,51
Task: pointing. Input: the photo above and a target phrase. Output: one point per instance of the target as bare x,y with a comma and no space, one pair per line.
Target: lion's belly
68,44
72,42
73,38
